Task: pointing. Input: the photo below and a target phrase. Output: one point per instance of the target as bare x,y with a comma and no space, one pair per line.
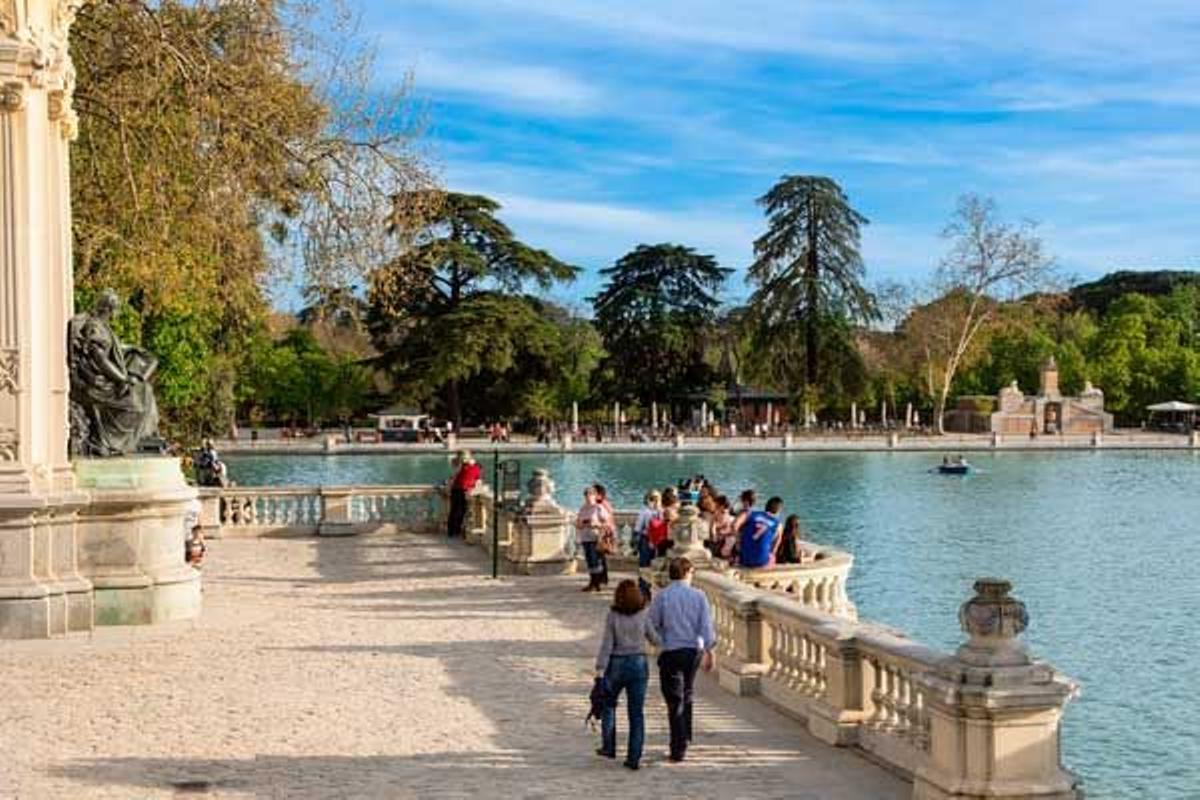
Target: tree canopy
654,315
213,154
446,309
807,268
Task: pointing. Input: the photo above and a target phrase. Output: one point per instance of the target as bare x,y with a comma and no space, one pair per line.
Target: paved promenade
372,667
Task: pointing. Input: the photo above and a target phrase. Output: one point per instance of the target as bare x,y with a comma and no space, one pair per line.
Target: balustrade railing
255,510
914,708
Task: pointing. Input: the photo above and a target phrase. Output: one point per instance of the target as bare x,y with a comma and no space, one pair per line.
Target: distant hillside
1097,295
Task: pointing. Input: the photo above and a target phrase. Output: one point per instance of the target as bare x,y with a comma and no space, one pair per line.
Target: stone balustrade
819,583
983,722
322,510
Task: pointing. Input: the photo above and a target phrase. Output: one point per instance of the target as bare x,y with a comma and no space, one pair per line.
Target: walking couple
680,624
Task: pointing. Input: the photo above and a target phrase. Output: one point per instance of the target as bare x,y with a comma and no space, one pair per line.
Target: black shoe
674,758
633,765
600,751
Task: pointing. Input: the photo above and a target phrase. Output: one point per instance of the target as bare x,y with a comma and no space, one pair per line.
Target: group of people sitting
747,536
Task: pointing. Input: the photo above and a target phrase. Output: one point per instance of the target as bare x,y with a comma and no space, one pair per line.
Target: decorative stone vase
687,535
993,621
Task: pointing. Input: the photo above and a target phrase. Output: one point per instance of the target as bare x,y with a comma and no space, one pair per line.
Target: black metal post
496,502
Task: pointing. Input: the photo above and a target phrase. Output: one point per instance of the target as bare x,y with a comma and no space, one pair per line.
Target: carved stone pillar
540,532
41,592
994,711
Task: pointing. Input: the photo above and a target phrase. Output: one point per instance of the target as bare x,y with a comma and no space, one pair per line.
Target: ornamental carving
8,444
64,16
10,371
12,97
8,17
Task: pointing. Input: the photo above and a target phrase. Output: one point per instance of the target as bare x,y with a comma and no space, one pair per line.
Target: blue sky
601,124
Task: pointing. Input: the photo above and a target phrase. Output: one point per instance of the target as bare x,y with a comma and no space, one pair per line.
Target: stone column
836,716
994,711
741,671
337,517
540,532
41,590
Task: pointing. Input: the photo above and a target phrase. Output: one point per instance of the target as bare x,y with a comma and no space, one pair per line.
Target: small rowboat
954,469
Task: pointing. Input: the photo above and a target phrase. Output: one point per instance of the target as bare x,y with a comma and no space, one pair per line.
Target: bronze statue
113,411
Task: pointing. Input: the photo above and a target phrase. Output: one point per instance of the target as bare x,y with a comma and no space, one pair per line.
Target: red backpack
657,531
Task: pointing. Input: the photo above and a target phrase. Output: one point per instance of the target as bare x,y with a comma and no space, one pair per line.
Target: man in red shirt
464,481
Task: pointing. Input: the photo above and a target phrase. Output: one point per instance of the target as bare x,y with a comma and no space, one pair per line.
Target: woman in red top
464,481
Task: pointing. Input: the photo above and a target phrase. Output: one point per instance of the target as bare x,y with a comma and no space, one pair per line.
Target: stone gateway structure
1048,412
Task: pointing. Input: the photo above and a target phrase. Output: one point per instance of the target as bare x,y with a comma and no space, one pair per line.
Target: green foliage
446,311
205,141
301,383
654,315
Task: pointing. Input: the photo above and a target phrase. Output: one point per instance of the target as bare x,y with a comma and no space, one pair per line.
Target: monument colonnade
41,589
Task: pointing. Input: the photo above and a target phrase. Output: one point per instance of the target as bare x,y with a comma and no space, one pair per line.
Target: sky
603,124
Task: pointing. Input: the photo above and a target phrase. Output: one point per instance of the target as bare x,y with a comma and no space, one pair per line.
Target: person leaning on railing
464,480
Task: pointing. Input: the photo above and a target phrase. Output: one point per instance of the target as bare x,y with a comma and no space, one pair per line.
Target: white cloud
550,90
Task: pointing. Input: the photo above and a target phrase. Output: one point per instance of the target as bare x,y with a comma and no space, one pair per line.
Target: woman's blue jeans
630,674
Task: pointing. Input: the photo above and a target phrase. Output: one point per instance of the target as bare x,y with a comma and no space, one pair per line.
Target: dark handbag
599,697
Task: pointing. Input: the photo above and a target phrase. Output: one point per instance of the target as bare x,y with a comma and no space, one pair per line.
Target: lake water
1102,547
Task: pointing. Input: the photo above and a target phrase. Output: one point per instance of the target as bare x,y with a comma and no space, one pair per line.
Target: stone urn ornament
993,620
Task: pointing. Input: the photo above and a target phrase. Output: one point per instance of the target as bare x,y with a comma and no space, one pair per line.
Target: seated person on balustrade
757,535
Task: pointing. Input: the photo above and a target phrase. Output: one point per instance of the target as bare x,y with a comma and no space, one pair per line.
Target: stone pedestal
131,540
337,519
42,593
994,712
540,533
688,533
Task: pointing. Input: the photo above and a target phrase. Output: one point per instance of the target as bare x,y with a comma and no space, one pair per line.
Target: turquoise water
1102,547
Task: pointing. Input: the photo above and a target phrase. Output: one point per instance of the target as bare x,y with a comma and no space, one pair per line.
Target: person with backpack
659,531
651,510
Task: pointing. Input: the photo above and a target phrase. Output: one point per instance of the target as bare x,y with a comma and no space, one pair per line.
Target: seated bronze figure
113,410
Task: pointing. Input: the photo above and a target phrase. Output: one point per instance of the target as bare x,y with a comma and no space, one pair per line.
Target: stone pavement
376,666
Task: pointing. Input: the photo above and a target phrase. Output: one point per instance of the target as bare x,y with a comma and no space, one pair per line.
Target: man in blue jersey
758,535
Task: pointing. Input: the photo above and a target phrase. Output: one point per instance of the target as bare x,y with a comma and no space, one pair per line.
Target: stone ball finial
993,620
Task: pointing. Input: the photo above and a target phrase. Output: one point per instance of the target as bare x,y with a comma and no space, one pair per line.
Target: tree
654,314
438,312
220,143
807,267
989,260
